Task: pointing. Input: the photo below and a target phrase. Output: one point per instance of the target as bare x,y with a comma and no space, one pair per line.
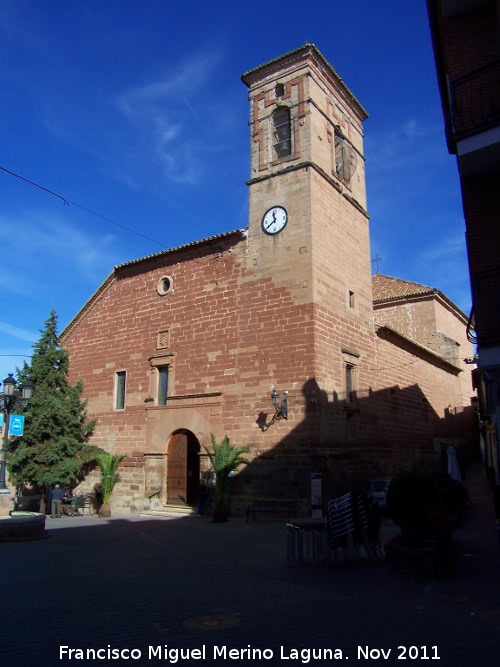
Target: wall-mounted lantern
280,408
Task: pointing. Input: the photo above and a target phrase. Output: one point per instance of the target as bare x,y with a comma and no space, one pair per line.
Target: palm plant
108,465
225,459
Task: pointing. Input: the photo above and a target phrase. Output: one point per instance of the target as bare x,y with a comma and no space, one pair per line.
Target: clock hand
272,221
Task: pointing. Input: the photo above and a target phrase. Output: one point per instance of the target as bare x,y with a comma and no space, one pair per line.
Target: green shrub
423,504
225,459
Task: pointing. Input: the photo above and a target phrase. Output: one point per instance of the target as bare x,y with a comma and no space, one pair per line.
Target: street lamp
9,400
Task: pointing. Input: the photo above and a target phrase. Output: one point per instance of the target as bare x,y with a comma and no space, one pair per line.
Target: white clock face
274,220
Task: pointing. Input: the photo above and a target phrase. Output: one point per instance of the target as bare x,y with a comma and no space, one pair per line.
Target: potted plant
108,465
225,459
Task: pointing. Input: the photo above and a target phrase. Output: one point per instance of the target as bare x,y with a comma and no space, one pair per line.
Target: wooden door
177,468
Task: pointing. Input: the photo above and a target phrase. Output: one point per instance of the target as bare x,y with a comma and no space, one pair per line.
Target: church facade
193,341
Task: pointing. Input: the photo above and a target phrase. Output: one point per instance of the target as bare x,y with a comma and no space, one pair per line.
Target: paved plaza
187,591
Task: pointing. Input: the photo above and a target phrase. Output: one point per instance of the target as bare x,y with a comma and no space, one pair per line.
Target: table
306,540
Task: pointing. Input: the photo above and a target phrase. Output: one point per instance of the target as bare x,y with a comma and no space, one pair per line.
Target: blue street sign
1,419
16,425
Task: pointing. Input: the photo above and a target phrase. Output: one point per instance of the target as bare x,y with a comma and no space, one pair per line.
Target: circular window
164,285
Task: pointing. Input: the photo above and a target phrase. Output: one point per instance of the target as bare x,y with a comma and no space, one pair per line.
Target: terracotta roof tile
209,239
386,288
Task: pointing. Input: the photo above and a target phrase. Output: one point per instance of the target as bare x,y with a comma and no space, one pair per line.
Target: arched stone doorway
183,467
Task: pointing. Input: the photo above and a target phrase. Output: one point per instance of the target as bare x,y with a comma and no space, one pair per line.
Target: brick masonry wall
430,322
469,40
230,332
481,198
235,333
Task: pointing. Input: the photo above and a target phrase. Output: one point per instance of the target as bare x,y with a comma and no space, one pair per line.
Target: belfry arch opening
183,467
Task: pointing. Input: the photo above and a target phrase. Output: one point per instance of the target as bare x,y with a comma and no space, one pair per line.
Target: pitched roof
104,286
386,288
208,239
304,49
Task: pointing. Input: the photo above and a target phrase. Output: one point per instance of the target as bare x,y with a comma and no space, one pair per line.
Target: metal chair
88,505
342,527
368,520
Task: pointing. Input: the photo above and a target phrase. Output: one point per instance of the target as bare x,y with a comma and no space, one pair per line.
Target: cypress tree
53,448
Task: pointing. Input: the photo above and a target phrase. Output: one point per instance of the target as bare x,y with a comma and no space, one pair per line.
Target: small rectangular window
279,90
351,299
121,380
350,364
349,383
162,385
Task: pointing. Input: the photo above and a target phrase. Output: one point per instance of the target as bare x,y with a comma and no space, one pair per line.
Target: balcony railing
475,102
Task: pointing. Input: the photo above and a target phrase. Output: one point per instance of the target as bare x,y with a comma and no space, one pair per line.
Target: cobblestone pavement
157,586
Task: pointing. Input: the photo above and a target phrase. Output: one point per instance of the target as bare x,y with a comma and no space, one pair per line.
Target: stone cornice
391,335
308,164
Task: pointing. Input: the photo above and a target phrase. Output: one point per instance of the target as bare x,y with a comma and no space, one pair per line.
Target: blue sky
135,113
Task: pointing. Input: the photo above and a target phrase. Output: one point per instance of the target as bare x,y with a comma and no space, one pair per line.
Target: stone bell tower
308,225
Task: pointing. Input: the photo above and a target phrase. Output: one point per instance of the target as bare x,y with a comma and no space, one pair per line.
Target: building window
345,159
162,385
164,285
162,378
350,394
281,133
350,361
351,299
120,385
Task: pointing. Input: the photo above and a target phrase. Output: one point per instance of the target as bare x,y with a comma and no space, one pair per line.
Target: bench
271,506
74,507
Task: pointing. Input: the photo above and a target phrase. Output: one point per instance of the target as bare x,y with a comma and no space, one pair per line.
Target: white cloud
160,118
414,200
150,135
14,352
18,333
447,250
183,79
50,246
406,147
